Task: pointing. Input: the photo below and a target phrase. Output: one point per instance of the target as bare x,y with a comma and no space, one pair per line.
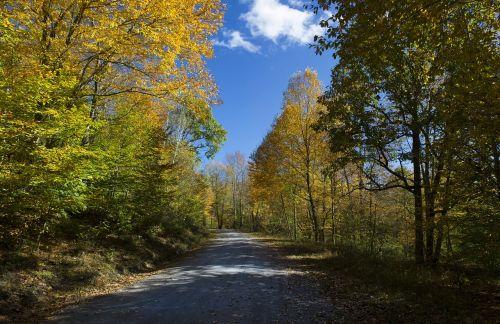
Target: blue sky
262,44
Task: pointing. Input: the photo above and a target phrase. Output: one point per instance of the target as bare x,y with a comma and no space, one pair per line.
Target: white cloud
296,3
235,39
275,20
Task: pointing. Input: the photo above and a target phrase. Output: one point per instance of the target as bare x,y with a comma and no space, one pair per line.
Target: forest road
234,279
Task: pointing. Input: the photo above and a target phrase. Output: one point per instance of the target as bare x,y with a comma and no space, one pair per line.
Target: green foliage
413,102
44,165
97,139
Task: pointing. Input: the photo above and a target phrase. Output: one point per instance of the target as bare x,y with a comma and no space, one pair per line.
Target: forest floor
38,281
373,290
236,277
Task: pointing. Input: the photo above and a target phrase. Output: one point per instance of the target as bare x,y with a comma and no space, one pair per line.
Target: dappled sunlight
187,275
235,275
311,256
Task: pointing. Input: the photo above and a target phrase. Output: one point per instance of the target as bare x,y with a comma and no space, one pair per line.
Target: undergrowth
388,289
36,281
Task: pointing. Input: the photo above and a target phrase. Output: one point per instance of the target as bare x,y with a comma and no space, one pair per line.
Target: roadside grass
35,283
390,290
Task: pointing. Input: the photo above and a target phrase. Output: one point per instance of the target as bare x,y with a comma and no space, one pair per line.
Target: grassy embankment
390,290
37,281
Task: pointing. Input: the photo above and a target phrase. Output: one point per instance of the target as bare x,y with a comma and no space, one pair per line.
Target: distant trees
229,184
218,177
105,108
237,170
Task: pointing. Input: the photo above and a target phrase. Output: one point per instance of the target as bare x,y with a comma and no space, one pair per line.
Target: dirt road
235,279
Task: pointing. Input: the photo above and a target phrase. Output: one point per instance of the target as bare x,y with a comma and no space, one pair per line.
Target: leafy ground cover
35,283
367,289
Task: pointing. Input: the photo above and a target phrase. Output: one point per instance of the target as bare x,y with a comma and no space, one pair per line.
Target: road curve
235,279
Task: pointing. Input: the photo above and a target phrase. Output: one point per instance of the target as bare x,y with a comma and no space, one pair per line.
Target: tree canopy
106,110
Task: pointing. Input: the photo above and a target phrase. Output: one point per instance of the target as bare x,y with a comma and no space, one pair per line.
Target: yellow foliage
153,47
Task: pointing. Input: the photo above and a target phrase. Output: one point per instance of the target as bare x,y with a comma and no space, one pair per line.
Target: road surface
235,279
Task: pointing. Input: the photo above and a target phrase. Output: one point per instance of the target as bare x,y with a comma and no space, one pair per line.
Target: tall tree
386,103
104,101
293,156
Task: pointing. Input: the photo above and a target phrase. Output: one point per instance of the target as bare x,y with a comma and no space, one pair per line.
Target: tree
291,160
104,106
217,175
42,161
389,100
237,171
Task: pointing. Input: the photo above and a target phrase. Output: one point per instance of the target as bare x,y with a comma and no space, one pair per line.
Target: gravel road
235,279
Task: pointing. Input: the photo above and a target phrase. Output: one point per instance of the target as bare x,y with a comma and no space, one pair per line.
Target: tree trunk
311,204
240,211
321,235
373,223
234,206
439,239
218,216
333,193
294,220
496,165
429,204
417,195
221,216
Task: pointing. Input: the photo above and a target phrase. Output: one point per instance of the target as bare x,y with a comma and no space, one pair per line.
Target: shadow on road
234,279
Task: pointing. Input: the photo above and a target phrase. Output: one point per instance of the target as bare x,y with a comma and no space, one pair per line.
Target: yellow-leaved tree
77,76
289,166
